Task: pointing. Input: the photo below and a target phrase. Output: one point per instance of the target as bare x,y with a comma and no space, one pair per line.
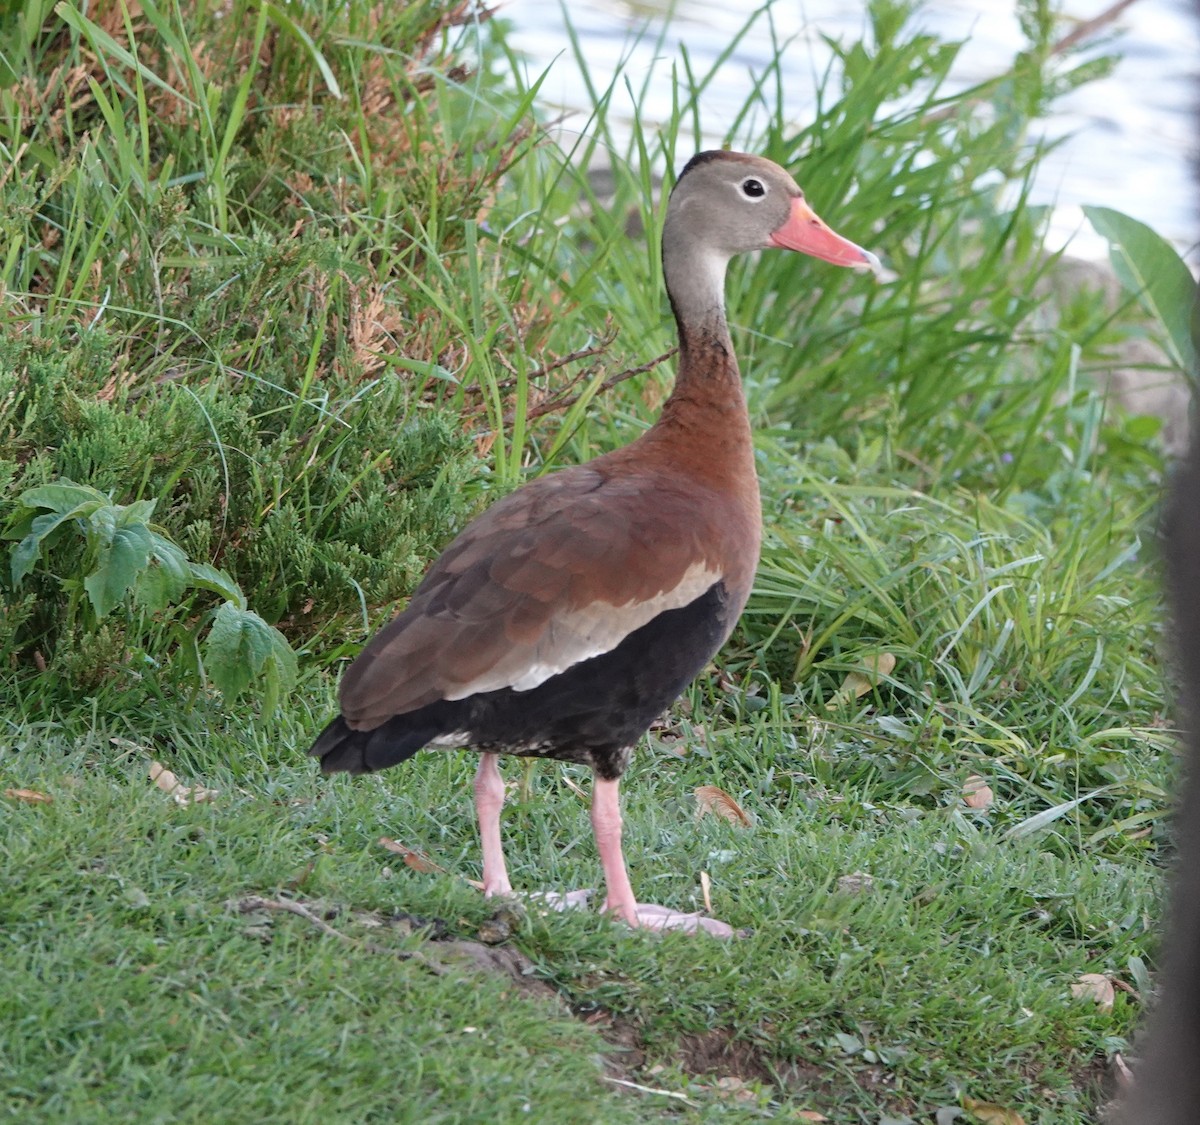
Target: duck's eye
753,189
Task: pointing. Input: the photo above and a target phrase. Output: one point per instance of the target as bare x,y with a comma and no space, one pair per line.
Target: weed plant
290,292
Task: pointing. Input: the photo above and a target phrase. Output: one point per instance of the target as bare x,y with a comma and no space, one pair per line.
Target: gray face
729,203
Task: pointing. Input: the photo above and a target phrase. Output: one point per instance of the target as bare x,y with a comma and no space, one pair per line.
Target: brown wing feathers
559,572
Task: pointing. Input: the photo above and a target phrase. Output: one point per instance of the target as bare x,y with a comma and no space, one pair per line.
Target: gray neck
695,279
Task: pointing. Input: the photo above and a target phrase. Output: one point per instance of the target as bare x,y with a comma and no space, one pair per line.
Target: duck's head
727,203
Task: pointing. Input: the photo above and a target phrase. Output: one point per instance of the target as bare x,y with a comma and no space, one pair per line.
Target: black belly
594,712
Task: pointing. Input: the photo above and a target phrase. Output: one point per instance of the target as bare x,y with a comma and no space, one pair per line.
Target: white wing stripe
595,629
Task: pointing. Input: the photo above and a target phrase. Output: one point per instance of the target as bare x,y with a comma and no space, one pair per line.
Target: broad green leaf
171,558
119,563
241,646
207,577
62,496
102,524
139,511
163,582
277,678
154,589
20,522
29,550
1149,268
26,553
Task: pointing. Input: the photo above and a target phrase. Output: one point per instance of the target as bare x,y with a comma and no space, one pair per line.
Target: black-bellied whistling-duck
570,614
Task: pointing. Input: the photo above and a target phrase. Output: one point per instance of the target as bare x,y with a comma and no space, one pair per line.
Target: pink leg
489,800
606,824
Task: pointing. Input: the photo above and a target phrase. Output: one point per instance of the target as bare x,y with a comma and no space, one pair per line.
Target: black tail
343,750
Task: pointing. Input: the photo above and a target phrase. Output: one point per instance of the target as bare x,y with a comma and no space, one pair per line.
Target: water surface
1131,135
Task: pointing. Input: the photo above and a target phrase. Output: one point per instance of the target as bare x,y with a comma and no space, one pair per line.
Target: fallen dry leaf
858,683
164,778
1094,986
733,1087
977,794
1122,1071
575,788
181,794
419,861
991,1114
711,799
810,1115
29,796
1124,986
856,883
706,891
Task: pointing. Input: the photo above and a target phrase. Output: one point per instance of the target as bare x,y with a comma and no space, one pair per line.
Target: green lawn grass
290,290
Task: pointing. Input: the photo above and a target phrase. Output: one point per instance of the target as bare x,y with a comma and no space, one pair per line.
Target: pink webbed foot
652,917
646,915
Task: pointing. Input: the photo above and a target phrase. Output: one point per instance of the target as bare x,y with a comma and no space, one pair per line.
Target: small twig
650,1090
251,903
565,402
610,334
1085,29
601,345
1082,31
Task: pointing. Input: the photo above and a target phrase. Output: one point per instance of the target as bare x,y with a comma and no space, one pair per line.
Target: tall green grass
211,295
